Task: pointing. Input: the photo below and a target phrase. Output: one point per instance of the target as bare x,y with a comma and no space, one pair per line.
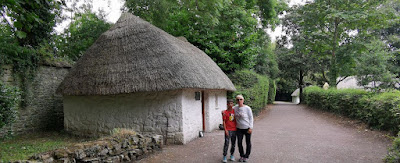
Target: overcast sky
113,12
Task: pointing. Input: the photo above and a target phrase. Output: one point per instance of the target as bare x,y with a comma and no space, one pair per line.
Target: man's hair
229,100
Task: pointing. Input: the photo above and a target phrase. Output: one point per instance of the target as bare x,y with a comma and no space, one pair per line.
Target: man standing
228,117
244,125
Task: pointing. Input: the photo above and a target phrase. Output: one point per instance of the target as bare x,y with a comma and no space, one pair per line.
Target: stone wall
125,147
43,107
151,112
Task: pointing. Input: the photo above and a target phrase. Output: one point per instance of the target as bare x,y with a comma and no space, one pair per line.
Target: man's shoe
241,159
232,158
224,159
245,159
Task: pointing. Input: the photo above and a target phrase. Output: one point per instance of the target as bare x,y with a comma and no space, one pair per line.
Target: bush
253,87
271,91
393,155
9,99
380,111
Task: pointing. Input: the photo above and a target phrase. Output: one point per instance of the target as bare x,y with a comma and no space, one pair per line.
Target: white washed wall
216,102
144,112
192,115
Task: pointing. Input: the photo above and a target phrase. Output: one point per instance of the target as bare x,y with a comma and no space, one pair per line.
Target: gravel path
290,133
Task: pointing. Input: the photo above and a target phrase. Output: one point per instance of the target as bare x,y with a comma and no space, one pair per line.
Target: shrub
9,99
382,111
393,155
271,91
253,87
378,110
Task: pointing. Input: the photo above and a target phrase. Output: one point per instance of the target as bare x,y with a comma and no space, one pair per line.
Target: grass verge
24,146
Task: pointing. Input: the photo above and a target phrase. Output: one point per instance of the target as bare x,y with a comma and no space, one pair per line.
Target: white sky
113,12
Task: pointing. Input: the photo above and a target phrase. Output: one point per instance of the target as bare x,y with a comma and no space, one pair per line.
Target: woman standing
244,125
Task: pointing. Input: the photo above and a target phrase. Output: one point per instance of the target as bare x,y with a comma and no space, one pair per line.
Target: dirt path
289,133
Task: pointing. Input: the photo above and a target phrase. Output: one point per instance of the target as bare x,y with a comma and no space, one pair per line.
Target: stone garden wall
42,109
117,148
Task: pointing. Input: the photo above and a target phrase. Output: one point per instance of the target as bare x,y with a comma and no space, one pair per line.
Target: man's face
239,100
230,104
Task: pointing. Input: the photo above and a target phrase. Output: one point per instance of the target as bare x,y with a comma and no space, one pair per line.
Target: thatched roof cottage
138,76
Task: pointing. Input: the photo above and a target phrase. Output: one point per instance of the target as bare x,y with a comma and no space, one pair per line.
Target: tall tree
332,26
85,28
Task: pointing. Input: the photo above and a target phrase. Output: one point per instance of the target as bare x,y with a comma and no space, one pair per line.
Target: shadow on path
288,133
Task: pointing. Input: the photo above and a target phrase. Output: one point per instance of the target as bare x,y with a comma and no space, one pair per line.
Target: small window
197,96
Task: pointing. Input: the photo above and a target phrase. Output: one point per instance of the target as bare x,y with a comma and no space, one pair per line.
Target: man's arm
226,131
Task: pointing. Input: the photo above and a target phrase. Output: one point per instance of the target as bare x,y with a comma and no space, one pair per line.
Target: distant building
296,96
349,82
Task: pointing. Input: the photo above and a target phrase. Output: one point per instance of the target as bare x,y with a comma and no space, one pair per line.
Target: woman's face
239,100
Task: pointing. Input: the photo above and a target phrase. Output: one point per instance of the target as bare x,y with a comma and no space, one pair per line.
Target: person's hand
226,133
249,131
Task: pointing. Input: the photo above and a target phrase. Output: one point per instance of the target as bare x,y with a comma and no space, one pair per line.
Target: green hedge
378,110
271,91
253,87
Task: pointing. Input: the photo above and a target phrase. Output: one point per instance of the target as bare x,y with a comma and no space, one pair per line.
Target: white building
296,96
139,77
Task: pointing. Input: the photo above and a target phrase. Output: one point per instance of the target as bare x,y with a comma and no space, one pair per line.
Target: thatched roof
135,56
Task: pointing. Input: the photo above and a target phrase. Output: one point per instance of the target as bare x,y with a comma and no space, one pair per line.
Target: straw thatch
135,56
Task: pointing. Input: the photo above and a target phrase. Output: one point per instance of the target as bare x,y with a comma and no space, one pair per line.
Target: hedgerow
378,110
253,87
271,91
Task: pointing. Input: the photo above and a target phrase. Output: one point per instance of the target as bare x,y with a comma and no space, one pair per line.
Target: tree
372,67
85,28
31,21
332,27
391,36
227,30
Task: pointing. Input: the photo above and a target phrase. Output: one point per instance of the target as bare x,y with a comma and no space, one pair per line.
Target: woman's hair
240,96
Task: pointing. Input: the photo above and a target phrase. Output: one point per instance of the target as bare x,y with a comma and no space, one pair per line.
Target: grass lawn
24,146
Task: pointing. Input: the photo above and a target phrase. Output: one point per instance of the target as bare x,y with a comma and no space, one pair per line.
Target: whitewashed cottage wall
192,115
216,102
155,112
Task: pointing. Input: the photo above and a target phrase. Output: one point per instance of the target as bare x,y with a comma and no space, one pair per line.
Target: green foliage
31,21
382,111
372,67
326,30
393,155
253,87
81,34
9,100
24,146
226,30
378,110
340,101
266,62
271,91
